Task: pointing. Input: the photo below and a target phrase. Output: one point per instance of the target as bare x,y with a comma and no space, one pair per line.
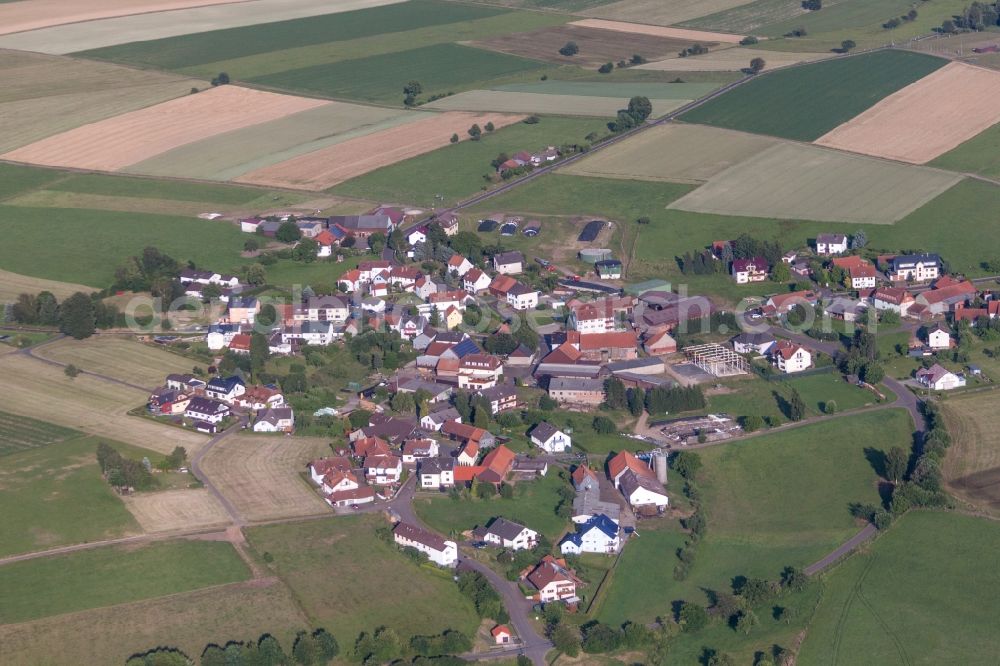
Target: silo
660,465
594,254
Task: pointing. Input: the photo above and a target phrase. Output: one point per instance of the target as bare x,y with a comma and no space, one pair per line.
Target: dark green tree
76,316
288,232
896,463
614,391
796,407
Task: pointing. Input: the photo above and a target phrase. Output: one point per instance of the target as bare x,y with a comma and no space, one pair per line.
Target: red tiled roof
369,446
582,472
615,340
462,431
240,341
847,263
325,238
625,460
500,460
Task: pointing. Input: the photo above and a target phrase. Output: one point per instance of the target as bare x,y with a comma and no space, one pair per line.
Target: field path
30,353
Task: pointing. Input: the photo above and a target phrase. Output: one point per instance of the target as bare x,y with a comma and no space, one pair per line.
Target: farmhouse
362,226
550,439
642,491
895,299
660,343
275,419
462,432
577,391
829,244
508,263
501,398
441,552
614,346
508,534
946,295
479,371
939,378
383,469
596,317
476,281
599,534
754,269
790,357
939,337
861,273
624,462
553,580
780,304
584,478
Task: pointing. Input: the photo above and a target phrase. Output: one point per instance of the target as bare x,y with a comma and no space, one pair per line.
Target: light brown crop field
925,119
972,467
117,142
176,509
14,284
121,358
596,46
34,14
189,621
791,181
691,36
87,403
260,475
42,95
673,153
329,166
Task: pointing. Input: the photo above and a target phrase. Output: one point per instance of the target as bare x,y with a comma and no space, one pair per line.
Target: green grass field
621,89
456,171
440,68
18,434
534,504
980,155
197,48
806,102
149,188
347,580
114,575
15,179
918,595
761,398
539,104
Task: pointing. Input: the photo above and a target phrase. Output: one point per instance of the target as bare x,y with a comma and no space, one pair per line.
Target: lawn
114,575
456,171
805,102
917,595
440,68
533,504
151,188
204,47
980,155
348,580
753,396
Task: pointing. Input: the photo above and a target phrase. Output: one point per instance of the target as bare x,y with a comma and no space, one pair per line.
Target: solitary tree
454,138
76,316
796,407
896,462
221,80
756,65
475,132
489,127
847,45
569,49
71,371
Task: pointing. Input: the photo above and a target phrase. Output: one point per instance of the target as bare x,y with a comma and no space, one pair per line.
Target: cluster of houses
330,232
523,158
206,405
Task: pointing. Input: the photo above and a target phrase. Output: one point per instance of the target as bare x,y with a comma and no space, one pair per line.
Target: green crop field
799,182
622,89
440,68
534,504
806,102
194,49
148,188
15,179
535,103
18,434
456,171
113,575
659,12
348,580
979,155
54,492
750,17
918,595
678,153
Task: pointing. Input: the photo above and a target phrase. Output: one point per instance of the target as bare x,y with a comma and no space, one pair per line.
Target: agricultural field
884,605
89,404
79,581
939,112
732,60
673,153
979,155
18,434
798,182
533,103
331,166
170,510
659,31
155,26
614,88
16,179
42,95
804,103
189,621
440,68
124,359
25,16
348,580
661,13
132,137
261,475
14,284
534,504
972,466
597,45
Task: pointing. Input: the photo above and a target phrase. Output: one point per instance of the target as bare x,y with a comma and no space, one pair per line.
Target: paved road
868,532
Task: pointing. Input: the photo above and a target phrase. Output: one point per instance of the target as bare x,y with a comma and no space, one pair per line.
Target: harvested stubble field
176,509
803,103
662,13
926,118
160,25
232,154
260,475
189,621
678,153
597,46
132,137
972,467
42,95
732,60
693,36
545,104
89,404
332,165
800,182
14,284
34,14
121,358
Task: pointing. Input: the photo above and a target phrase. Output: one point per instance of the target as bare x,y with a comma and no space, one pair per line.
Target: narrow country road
842,550
30,353
196,469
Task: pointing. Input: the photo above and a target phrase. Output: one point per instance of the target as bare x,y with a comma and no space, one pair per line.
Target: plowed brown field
117,142
329,166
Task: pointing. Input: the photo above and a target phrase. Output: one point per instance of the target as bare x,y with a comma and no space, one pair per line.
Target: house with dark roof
362,226
508,534
226,389
508,263
439,550
599,534
554,580
828,244
275,419
207,410
643,491
549,438
501,397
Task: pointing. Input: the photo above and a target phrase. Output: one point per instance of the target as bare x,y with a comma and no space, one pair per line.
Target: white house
476,281
915,267
508,263
553,580
754,269
893,298
204,409
435,420
459,265
415,450
508,534
418,235
441,552
316,333
753,343
437,473
522,297
790,357
220,335
600,534
550,439
642,491
831,244
226,389
382,469
939,378
322,308
320,468
939,338
275,419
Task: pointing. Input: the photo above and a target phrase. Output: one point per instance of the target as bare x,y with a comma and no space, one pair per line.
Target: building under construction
717,360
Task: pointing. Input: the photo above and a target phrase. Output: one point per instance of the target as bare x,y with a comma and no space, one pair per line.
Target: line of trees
78,316
676,399
687,464
122,472
486,600
977,16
